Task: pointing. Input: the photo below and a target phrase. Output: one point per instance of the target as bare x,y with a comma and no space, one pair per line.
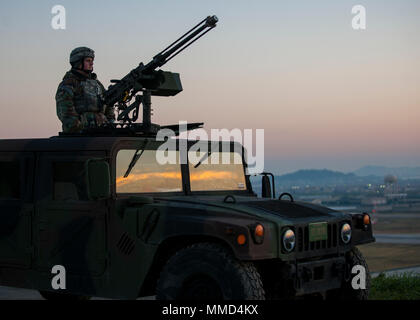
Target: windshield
146,175
216,171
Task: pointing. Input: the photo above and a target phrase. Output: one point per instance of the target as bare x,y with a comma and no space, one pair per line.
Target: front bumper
319,275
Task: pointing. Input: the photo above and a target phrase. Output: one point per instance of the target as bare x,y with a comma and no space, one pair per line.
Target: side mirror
266,187
98,179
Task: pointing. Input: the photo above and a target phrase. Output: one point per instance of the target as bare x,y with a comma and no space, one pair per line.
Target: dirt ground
389,224
384,256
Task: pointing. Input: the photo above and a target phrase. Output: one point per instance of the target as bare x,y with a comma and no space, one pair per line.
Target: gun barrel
183,42
118,90
210,21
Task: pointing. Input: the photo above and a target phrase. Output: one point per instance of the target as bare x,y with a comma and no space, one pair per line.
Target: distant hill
325,177
380,171
320,178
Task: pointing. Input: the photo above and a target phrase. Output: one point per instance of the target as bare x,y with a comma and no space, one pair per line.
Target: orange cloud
211,175
205,175
145,176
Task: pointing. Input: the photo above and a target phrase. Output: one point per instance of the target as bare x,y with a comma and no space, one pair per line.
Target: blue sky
327,96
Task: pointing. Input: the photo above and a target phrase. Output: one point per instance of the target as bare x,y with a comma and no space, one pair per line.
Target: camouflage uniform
79,102
79,97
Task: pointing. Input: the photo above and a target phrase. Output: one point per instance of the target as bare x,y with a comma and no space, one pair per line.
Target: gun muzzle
211,21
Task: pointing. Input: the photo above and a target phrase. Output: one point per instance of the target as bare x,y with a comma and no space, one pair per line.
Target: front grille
303,243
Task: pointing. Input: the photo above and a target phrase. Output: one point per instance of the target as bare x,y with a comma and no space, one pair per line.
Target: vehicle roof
68,143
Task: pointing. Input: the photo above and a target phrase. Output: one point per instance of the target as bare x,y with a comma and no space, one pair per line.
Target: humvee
125,226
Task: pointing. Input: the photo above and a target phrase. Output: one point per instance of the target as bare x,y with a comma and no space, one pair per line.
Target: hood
283,209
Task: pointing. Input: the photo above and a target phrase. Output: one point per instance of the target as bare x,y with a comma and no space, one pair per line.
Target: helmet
78,54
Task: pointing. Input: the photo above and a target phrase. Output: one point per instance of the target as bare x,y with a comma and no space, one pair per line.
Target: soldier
79,95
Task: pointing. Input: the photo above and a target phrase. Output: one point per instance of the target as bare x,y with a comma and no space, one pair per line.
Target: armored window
218,171
9,180
148,174
69,180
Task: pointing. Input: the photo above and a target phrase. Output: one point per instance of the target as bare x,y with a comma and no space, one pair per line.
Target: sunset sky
326,95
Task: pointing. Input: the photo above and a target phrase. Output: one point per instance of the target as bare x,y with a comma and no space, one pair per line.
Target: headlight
289,240
346,233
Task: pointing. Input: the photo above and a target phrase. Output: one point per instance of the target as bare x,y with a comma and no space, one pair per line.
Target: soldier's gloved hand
111,123
73,127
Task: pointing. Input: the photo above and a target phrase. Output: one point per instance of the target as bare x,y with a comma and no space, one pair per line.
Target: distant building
374,201
391,184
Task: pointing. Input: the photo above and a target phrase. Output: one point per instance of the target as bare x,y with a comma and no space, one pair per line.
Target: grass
396,287
383,256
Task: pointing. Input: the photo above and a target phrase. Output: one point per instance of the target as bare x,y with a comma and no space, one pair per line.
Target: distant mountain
323,177
313,177
313,174
380,171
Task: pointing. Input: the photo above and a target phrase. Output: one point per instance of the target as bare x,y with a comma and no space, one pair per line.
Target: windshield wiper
206,155
202,159
135,158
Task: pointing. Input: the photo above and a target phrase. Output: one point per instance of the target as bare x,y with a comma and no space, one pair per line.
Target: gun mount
148,81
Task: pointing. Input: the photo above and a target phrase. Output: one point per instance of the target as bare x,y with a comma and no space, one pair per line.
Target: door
70,229
16,209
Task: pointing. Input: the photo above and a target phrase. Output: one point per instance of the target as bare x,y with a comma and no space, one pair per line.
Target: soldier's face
88,64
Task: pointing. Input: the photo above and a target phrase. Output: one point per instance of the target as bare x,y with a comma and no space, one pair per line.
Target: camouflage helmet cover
80,53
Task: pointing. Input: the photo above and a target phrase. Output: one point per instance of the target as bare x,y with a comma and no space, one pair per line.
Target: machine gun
149,81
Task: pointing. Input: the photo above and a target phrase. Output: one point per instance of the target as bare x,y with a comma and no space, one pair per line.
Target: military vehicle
123,225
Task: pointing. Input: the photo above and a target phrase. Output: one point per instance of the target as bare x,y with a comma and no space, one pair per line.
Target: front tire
346,292
207,271
56,296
